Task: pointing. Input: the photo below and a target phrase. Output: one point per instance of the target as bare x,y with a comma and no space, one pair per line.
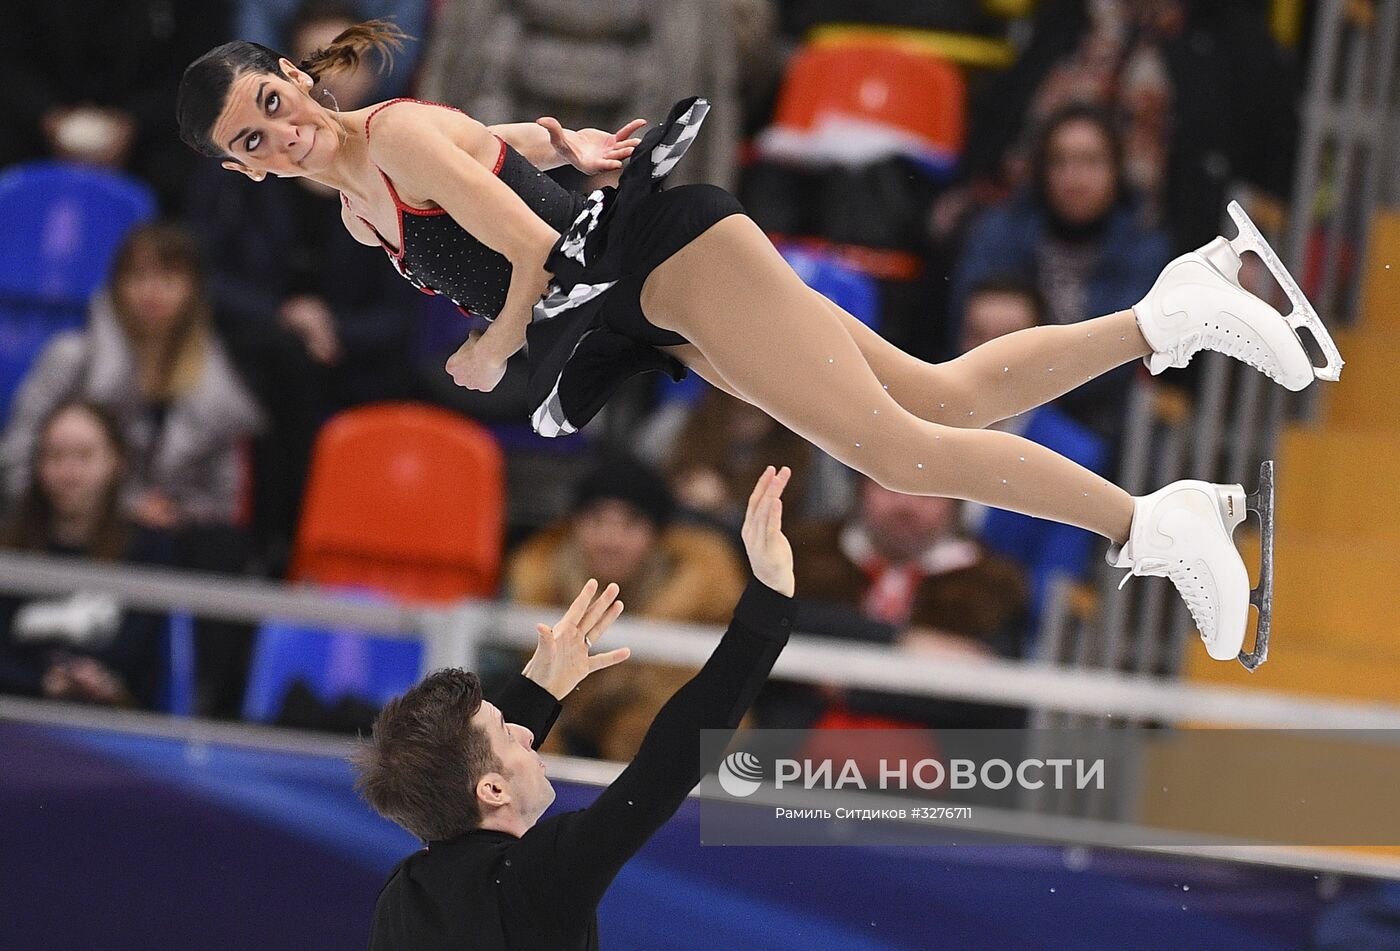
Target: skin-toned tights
759,333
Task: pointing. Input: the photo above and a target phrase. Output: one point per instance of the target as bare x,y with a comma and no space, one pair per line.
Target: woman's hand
308,316
561,660
770,555
475,366
592,150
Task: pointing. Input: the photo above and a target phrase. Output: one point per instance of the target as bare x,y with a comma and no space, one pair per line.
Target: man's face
614,538
903,527
522,771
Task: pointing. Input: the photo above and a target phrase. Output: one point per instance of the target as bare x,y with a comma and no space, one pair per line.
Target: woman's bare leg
731,294
1005,376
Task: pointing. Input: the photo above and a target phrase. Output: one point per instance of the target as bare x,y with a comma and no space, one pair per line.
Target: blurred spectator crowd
221,379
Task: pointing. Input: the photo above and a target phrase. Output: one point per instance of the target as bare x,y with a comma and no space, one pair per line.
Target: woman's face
77,464
1080,178
154,296
269,125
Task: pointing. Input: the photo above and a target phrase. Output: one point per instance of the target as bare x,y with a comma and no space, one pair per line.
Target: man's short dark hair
1013,286
422,762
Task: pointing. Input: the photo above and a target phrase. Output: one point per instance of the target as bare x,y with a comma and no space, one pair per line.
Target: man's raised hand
562,660
770,555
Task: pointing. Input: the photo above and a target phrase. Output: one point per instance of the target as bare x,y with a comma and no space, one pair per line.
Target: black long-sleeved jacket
490,890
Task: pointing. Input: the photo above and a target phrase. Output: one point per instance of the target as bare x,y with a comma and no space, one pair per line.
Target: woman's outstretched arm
546,144
532,141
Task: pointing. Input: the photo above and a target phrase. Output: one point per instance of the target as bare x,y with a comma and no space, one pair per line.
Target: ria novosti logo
740,774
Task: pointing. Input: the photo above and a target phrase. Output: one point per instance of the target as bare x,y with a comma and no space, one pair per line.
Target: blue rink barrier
118,840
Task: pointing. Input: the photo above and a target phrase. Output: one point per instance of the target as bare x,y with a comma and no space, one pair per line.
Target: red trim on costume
501,158
402,207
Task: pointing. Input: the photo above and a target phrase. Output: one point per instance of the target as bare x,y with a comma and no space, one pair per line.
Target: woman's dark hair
29,525
205,85
1103,118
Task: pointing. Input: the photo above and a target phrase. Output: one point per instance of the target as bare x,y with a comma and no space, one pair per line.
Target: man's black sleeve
525,702
573,857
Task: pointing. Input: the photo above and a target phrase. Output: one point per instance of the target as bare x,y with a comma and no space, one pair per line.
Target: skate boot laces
1226,341
1188,577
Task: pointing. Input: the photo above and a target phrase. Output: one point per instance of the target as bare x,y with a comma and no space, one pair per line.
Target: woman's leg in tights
690,355
996,381
1005,376
759,327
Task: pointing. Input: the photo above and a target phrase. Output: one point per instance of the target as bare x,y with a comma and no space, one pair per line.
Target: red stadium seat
840,100
404,499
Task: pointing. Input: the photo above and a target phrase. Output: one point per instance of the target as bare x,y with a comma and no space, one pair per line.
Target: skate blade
1303,314
1262,597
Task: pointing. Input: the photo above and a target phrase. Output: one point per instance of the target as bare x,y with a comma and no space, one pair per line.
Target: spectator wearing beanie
619,529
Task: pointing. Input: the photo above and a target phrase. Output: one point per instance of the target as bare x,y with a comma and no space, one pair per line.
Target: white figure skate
1197,304
1184,532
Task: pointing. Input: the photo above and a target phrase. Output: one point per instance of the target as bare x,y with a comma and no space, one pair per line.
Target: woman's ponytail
346,51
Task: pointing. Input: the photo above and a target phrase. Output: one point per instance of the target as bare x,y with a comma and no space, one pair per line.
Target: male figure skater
462,774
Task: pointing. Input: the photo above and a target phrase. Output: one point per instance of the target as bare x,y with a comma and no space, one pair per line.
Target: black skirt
588,334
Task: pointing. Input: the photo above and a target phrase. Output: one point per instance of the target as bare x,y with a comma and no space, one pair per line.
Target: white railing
454,634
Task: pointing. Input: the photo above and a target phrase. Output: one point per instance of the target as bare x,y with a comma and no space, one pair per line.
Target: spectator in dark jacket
1208,95
150,357
1074,233
81,647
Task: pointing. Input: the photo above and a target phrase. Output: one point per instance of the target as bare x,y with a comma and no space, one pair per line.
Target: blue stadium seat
333,664
63,224
25,328
177,695
853,291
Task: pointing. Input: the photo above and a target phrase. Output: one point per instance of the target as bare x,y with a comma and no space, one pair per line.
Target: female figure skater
635,278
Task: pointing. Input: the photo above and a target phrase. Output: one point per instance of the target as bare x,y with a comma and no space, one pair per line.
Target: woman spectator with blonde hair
148,355
149,358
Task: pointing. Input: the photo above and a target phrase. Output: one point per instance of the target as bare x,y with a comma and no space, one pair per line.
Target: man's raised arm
577,854
562,659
